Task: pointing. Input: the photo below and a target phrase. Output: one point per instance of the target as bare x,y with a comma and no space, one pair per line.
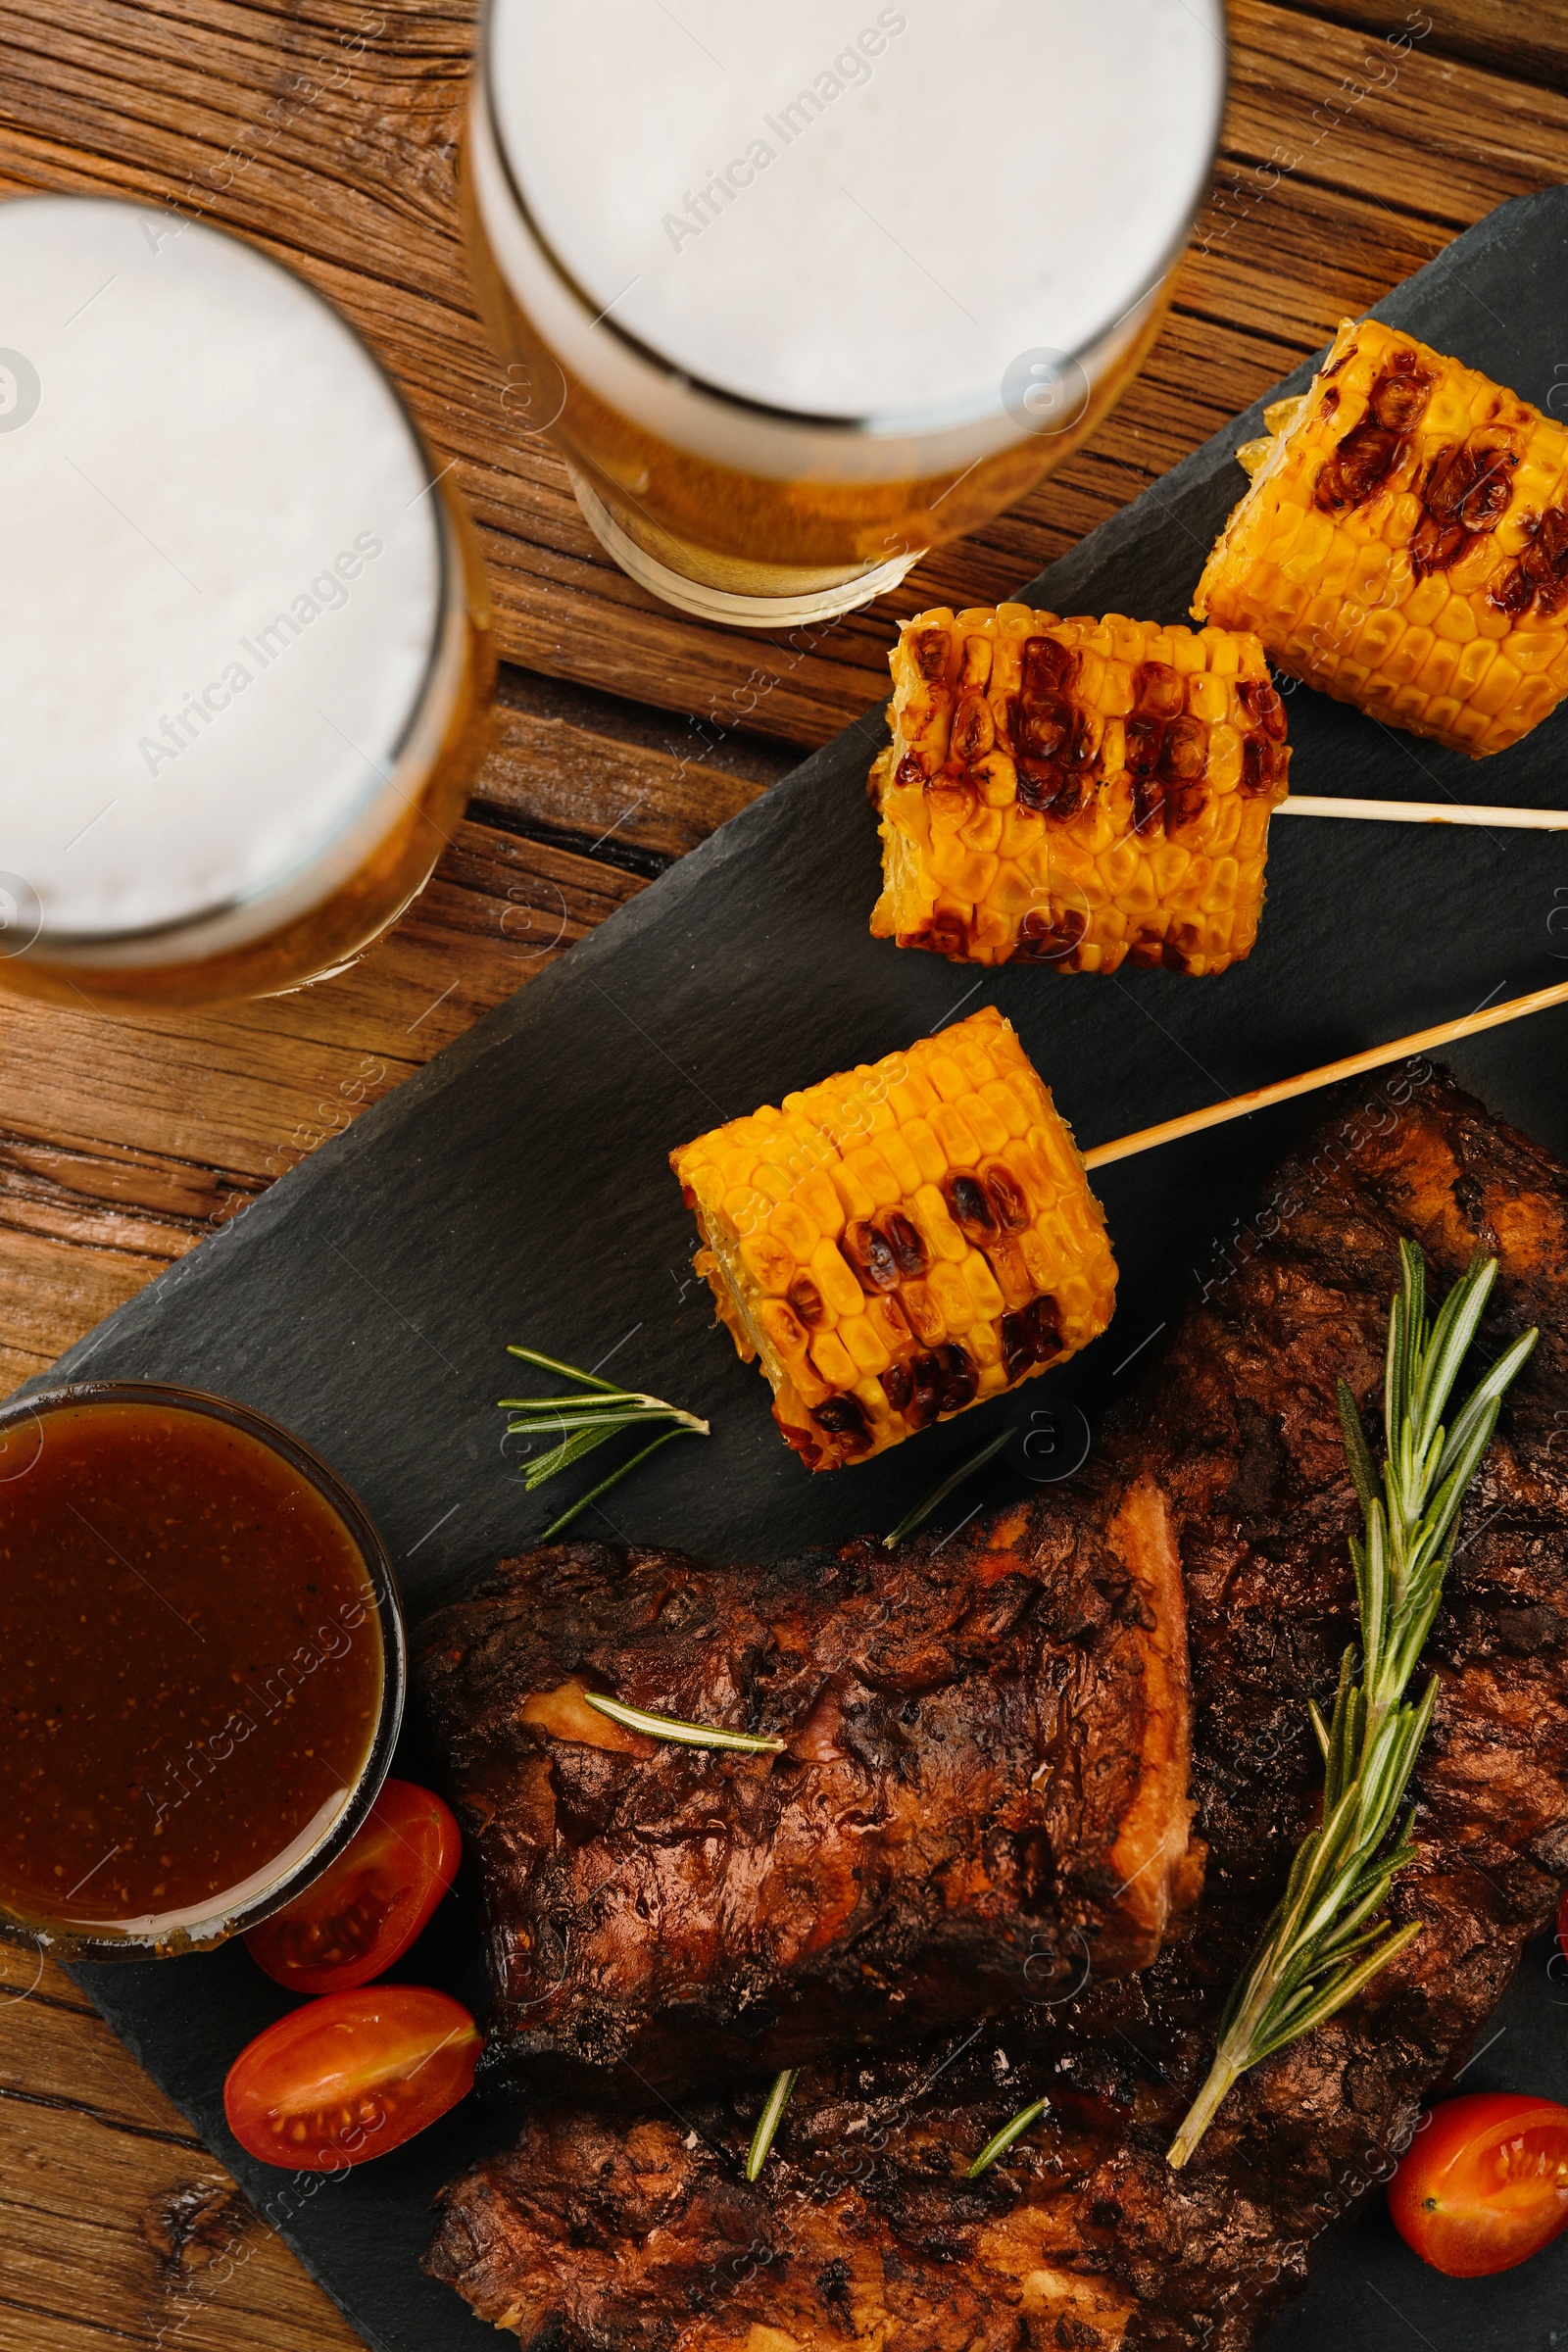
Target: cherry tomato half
351,2076
1485,2184
367,1908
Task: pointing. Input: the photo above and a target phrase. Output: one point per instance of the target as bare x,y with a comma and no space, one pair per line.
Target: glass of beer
246,666
800,293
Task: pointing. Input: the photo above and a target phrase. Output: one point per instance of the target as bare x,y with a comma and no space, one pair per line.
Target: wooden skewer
1424,813
1240,1107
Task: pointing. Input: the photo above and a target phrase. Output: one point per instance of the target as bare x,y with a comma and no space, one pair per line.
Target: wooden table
1359,138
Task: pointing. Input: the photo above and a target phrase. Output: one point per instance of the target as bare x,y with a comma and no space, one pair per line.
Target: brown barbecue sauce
190,1667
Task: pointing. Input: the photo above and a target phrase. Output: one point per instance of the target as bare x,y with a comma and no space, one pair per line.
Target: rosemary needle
574,1510
587,1419
767,2123
683,1735
940,1493
1004,2139
1326,1938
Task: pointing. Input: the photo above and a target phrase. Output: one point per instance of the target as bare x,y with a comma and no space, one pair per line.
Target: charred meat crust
591,2235
983,1786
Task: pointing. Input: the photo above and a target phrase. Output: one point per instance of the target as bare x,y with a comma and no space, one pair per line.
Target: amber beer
246,662
800,293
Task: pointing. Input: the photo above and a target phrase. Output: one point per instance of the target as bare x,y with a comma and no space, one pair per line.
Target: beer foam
221,583
848,209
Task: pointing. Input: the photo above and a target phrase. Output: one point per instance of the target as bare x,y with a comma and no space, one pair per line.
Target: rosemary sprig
943,1489
1004,2139
1325,1939
682,1735
598,1412
767,2123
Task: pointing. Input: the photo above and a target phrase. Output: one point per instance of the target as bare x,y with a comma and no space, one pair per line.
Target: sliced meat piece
983,1788
590,2233
647,2237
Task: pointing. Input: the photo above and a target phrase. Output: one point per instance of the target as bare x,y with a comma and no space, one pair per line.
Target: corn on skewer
1077,792
782,1197
1404,544
1136,835
902,1240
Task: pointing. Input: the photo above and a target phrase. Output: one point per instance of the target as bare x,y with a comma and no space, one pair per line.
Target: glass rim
99,1940
886,424
59,947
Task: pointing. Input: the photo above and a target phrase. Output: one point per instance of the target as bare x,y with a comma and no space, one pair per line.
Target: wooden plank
1413,130
226,1090
1331,251
47,1288
68,2058
25,1973
113,2233
113,1197
613,797
117,2225
1523,37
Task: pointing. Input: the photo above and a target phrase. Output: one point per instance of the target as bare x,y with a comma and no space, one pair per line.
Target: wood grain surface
1359,138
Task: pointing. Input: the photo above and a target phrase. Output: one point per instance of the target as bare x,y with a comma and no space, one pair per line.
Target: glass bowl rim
100,1941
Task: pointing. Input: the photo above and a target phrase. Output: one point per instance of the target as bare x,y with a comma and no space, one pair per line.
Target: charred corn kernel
769,1263
1035,824
920,1312
987,1267
1421,514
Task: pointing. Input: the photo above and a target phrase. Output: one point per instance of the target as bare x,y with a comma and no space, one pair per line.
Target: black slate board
517,1189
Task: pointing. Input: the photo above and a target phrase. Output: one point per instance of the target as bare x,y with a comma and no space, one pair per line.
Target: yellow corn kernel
771,1265
832,1361
984,1342
901,1160
984,1289
954,1134
924,1148
786,1335
836,1285
953,1297
873,1175
930,1213
865,1345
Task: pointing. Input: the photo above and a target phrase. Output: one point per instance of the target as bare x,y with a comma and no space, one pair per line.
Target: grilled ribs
863,2229
984,1783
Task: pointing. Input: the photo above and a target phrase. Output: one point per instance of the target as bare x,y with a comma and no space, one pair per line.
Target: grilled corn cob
902,1240
1076,792
1404,544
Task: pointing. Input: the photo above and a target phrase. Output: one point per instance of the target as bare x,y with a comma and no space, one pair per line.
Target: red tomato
365,1909
349,2076
1485,2184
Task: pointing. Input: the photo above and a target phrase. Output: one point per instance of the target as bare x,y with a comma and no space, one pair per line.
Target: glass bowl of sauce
201,1668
